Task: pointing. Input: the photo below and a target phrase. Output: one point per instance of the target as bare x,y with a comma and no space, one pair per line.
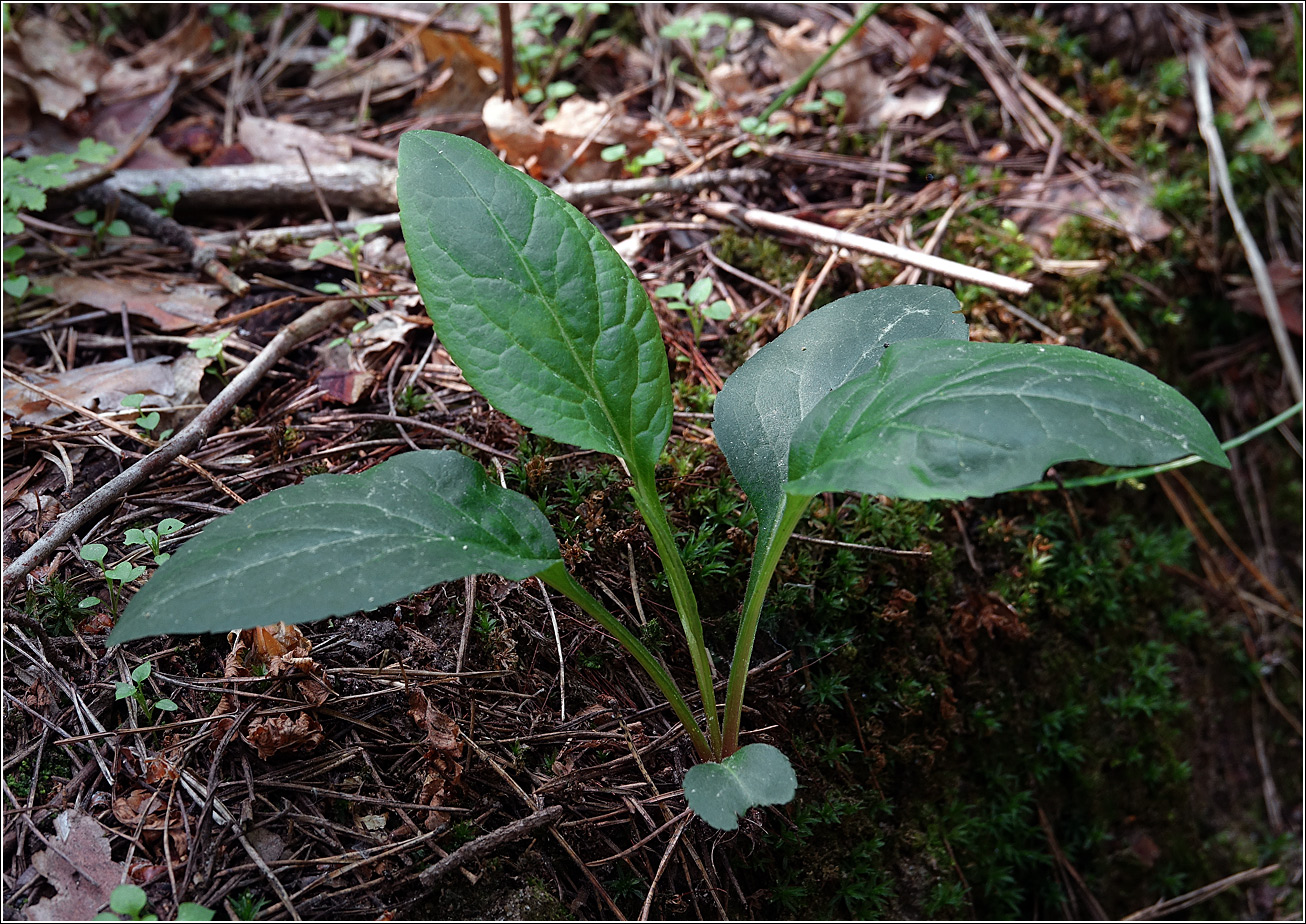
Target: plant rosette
879,392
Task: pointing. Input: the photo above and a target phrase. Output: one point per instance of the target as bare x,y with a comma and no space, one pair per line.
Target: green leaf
543,317
329,288
170,525
87,602
612,152
323,249
956,420
670,290
142,672
337,544
94,551
364,228
165,705
124,571
16,286
132,400
127,899
191,911
719,310
699,291
134,537
764,402
756,774
118,228
123,690
148,421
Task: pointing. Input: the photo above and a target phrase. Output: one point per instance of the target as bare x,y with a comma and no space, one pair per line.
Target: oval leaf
756,774
337,544
543,317
763,403
954,420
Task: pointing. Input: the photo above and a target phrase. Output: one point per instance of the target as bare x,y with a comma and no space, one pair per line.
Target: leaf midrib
546,302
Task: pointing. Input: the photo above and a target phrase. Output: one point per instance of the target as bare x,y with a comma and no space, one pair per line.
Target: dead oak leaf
170,307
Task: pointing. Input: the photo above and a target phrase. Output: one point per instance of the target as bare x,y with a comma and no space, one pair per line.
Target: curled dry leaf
151,68
1123,200
273,734
147,812
443,753
80,866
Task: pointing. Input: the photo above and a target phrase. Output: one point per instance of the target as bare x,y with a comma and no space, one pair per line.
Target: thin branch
190,437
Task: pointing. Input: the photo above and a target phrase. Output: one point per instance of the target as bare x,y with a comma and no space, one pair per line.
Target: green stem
655,516
758,582
806,77
557,577
1144,472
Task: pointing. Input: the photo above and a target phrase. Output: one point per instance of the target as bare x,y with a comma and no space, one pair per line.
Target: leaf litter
358,730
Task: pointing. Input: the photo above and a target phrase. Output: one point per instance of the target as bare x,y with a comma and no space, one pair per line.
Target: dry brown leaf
140,808
273,734
793,51
1124,200
82,885
343,377
1287,281
922,102
374,79
171,307
61,73
274,142
100,386
150,69
466,78
543,149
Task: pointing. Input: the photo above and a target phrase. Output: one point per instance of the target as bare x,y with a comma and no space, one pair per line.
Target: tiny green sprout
323,249
134,689
247,905
692,303
880,392
613,153
211,348
128,902
330,288
339,54
122,573
152,537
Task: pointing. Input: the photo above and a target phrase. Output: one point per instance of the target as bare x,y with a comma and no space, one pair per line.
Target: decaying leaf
465,78
147,812
274,734
1125,201
170,307
443,752
150,68
343,377
82,870
60,73
100,386
274,142
544,149
868,95
1287,281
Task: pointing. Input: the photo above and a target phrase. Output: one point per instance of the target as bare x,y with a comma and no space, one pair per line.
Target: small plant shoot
878,392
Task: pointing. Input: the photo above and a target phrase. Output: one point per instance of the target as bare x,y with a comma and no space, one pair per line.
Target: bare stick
474,850
190,437
557,637
1264,285
1197,896
773,222
580,192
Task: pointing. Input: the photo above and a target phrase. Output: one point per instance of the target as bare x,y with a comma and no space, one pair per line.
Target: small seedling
695,303
151,537
146,421
247,905
100,228
128,902
169,197
880,392
120,574
134,689
211,348
634,165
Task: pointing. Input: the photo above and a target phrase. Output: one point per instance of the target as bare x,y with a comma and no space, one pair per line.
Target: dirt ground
1070,704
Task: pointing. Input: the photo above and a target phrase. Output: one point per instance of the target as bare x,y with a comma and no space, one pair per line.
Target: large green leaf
756,774
763,403
938,419
543,317
341,543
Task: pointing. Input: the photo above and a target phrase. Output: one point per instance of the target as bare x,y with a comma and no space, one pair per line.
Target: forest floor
1070,704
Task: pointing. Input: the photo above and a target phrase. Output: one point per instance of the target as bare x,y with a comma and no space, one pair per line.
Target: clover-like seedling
135,689
879,392
150,537
211,348
692,303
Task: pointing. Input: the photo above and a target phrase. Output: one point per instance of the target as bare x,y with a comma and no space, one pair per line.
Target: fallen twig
773,222
194,433
362,184
1197,896
474,850
1264,285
